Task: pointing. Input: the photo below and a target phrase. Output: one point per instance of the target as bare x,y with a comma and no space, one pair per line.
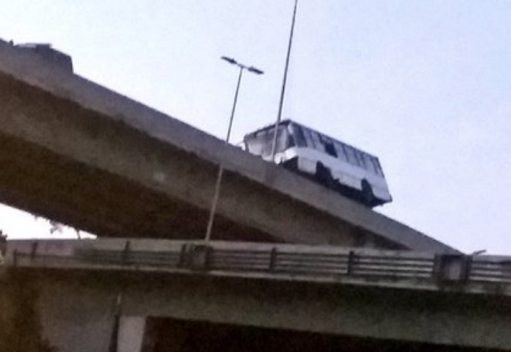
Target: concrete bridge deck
83,155
421,301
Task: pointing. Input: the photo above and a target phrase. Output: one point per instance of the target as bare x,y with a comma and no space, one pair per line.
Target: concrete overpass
91,295
78,153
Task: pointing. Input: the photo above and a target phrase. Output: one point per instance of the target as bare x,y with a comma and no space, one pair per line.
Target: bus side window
300,139
317,143
376,166
312,140
328,144
330,149
308,138
341,153
380,171
350,153
361,160
368,164
372,166
358,162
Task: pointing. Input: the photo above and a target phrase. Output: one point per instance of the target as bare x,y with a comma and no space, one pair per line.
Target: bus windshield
260,143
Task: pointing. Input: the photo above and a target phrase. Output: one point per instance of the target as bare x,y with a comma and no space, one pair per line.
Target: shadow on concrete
188,336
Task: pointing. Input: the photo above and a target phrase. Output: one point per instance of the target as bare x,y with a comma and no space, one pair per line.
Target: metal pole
220,174
234,105
283,91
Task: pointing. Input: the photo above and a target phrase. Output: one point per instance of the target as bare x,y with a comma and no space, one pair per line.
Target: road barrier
281,261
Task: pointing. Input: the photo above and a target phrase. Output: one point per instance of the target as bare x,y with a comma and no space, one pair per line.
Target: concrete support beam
132,331
77,319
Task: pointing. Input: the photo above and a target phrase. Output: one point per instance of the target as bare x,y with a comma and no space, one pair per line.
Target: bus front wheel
367,194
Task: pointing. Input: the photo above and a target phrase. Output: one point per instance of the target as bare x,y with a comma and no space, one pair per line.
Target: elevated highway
78,153
93,294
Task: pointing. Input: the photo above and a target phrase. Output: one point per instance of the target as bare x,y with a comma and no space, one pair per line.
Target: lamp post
221,168
284,80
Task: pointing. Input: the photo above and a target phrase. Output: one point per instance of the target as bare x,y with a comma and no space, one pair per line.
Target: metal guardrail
242,259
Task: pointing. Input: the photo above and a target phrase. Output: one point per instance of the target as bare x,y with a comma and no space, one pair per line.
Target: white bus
337,165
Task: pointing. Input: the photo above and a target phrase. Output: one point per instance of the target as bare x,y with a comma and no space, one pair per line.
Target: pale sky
423,84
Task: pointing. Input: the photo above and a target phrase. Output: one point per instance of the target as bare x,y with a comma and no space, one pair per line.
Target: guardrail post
452,268
183,258
199,257
351,263
15,258
126,253
3,244
273,259
33,250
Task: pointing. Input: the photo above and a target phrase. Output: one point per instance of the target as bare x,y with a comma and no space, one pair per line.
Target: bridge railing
243,259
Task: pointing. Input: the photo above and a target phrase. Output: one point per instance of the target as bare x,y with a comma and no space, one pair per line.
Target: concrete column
131,334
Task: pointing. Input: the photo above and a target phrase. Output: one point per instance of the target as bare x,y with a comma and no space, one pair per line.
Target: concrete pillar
131,334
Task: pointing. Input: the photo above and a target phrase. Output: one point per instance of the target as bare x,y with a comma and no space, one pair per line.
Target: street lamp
242,68
221,168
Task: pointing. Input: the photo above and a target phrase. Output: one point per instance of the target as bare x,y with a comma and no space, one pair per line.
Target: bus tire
324,176
367,194
291,164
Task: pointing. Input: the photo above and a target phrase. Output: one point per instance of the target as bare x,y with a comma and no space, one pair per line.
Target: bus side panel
345,173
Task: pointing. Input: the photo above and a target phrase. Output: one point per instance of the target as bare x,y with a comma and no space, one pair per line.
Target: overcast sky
425,85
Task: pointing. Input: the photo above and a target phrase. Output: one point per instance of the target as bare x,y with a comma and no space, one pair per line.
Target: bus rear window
261,143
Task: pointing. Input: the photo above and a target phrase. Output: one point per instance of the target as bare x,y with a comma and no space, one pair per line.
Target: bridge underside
50,147
49,185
